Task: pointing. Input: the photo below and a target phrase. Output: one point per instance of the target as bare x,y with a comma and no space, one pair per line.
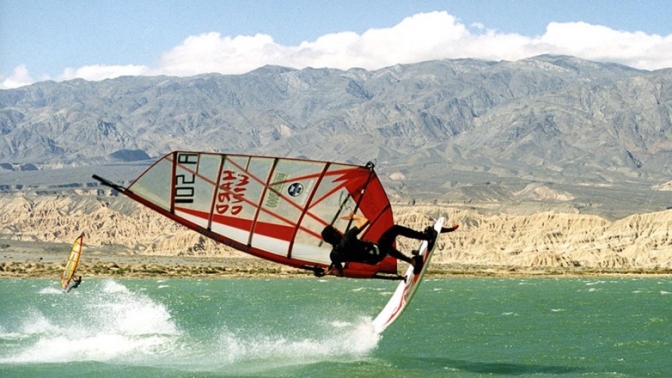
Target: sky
100,39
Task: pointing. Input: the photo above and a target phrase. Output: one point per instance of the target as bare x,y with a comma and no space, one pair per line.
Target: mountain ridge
487,129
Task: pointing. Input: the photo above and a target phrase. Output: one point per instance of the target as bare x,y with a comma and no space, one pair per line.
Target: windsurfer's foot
417,264
430,232
431,237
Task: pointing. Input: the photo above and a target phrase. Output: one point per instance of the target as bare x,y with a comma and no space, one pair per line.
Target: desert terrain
124,239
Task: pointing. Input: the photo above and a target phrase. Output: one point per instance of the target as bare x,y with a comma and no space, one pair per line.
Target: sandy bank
44,263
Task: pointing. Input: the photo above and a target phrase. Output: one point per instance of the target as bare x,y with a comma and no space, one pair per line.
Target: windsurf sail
73,261
270,207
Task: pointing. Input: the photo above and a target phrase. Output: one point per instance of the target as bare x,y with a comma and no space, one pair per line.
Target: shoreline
240,268
26,261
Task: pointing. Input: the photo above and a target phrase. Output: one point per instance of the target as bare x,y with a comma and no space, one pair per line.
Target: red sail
272,208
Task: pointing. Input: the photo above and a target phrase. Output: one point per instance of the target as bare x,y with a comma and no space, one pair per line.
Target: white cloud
424,36
102,72
600,43
19,78
418,38
212,53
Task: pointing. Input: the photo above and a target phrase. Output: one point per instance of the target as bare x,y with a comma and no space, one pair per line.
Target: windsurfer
347,247
77,281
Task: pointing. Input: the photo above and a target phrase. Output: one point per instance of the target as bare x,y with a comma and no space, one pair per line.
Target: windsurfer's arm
361,221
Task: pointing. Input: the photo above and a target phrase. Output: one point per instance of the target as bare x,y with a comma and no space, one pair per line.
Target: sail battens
270,207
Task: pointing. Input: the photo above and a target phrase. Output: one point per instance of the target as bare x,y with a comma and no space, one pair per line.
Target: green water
467,327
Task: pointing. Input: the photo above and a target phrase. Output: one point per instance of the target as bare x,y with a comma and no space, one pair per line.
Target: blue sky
98,39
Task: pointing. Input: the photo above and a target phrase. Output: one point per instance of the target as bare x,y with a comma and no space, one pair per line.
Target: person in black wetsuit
347,247
77,281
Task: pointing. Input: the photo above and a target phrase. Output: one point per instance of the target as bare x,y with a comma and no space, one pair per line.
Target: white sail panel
239,190
155,184
239,235
272,245
311,252
284,200
195,184
234,198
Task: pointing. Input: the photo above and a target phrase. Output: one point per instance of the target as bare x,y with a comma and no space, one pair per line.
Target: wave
107,321
112,323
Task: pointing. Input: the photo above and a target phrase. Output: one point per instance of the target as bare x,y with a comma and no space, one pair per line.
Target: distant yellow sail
73,261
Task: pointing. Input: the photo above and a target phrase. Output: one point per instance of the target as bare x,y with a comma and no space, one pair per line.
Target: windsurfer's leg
398,255
388,237
391,234
416,261
386,244
336,262
399,230
386,241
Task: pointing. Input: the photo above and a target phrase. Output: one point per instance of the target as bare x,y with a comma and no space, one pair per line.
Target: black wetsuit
76,285
350,248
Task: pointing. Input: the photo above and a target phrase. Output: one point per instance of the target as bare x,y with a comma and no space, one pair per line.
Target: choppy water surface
467,327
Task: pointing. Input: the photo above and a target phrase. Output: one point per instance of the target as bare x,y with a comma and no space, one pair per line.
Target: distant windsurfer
77,281
347,247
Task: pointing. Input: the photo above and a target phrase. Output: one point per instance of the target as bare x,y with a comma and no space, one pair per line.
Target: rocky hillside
543,240
597,136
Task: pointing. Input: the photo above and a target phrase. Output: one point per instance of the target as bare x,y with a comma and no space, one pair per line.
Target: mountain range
590,137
